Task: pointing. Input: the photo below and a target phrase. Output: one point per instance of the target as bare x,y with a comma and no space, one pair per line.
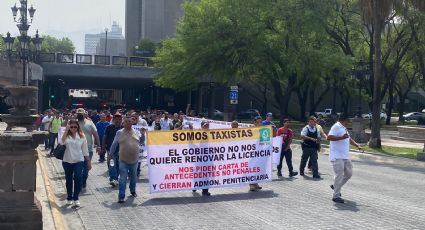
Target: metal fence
87,59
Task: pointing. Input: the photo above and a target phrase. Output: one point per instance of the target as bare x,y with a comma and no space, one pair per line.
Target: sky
66,18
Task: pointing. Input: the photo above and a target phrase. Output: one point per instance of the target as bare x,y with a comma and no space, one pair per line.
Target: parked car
382,116
216,115
414,116
324,114
248,114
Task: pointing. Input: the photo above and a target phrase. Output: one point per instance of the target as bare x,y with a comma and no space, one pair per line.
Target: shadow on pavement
114,205
406,168
213,198
347,206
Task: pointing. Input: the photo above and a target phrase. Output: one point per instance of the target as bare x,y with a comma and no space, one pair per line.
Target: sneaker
69,202
258,187
279,173
206,194
134,194
333,188
193,190
121,200
301,173
77,203
338,200
114,183
316,176
291,174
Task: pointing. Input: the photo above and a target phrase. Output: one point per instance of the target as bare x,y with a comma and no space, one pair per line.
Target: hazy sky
71,18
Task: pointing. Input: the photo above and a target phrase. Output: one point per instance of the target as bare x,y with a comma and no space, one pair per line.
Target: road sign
234,94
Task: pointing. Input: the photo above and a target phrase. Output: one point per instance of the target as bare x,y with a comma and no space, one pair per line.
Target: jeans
47,142
288,155
114,170
343,171
138,168
73,177
52,141
86,170
312,154
126,170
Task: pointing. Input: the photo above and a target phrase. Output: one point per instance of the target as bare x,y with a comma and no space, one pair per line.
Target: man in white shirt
46,125
339,155
165,122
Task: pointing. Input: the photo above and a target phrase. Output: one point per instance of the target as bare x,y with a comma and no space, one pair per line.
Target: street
384,193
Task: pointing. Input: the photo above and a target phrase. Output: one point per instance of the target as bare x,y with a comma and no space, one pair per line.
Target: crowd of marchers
111,135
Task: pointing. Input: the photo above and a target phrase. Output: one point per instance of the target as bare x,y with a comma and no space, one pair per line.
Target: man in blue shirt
101,126
268,121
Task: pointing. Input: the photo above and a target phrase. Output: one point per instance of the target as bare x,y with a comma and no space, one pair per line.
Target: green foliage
145,48
54,45
1,42
229,41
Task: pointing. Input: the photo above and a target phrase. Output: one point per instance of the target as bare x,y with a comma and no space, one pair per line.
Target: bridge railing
87,59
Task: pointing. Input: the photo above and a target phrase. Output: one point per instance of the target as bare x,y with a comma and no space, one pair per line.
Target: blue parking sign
233,95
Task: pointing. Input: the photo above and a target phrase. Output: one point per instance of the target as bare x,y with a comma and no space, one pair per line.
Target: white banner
196,123
277,147
60,134
196,159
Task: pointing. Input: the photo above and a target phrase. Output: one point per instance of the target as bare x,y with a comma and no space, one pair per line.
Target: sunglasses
73,127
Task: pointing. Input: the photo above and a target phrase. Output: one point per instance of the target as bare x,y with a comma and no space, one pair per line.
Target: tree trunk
302,99
375,139
391,102
401,109
282,98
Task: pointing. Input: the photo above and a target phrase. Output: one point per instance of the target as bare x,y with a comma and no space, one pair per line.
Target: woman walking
76,155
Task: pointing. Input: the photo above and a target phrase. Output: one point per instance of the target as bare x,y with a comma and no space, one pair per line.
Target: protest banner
60,134
214,124
196,159
277,148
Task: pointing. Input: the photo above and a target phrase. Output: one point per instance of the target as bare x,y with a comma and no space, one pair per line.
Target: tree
377,14
145,48
1,42
54,45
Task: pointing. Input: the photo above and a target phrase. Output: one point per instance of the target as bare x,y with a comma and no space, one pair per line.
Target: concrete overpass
98,76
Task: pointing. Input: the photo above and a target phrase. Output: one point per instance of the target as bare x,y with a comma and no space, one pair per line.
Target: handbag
59,151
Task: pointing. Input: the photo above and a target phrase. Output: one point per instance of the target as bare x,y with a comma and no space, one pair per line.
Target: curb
54,207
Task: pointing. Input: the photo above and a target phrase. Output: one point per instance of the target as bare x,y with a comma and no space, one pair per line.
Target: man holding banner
204,125
286,152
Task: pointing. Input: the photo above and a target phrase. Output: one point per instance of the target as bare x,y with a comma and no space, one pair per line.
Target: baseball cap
269,114
235,123
81,110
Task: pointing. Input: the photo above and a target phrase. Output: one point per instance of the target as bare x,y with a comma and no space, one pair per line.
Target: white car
383,116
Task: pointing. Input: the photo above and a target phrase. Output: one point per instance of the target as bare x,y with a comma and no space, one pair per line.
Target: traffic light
52,96
137,99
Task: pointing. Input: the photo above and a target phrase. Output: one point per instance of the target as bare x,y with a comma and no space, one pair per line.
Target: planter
22,99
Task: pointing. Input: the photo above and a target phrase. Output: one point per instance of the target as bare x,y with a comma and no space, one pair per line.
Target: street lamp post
106,42
23,24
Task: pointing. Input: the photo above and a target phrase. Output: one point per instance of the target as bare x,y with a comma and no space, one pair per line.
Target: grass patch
395,151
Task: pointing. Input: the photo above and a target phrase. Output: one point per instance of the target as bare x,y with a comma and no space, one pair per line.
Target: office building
93,41
151,19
